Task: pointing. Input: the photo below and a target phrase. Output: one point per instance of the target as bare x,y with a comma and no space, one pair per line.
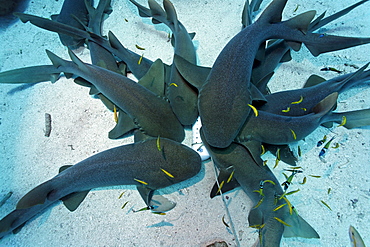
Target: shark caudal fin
36,196
167,15
60,63
298,228
32,74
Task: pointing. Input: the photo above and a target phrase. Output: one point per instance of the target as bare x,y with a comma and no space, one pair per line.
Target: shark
73,13
149,164
238,167
226,91
151,113
182,96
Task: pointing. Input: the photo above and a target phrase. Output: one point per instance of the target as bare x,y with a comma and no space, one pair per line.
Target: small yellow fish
286,110
257,226
344,121
326,205
263,150
259,202
276,163
336,145
277,158
139,47
355,237
292,192
304,109
230,177
223,221
278,207
173,84
115,114
304,180
220,187
120,196
254,110
159,144
288,203
124,205
281,221
297,102
315,176
167,173
140,59
140,181
294,135
269,181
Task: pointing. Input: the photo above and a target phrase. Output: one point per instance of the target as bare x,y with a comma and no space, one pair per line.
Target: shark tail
33,74
354,119
68,67
298,228
36,196
60,64
159,15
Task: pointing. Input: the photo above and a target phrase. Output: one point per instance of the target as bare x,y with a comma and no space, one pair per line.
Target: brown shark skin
276,102
150,112
72,8
249,174
279,130
224,98
182,97
116,166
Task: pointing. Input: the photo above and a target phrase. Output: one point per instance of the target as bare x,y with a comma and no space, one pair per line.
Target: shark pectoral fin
19,228
105,101
286,155
313,80
72,201
257,96
36,196
255,217
229,182
286,57
254,149
262,84
160,203
82,82
145,193
124,125
298,228
154,80
195,75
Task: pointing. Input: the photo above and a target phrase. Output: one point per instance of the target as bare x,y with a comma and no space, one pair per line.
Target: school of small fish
241,119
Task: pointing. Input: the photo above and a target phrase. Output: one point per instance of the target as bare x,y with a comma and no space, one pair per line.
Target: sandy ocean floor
80,125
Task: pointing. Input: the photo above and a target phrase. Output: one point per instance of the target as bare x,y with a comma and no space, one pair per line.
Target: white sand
28,158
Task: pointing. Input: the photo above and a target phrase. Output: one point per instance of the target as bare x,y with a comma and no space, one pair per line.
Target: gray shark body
150,112
140,164
249,174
